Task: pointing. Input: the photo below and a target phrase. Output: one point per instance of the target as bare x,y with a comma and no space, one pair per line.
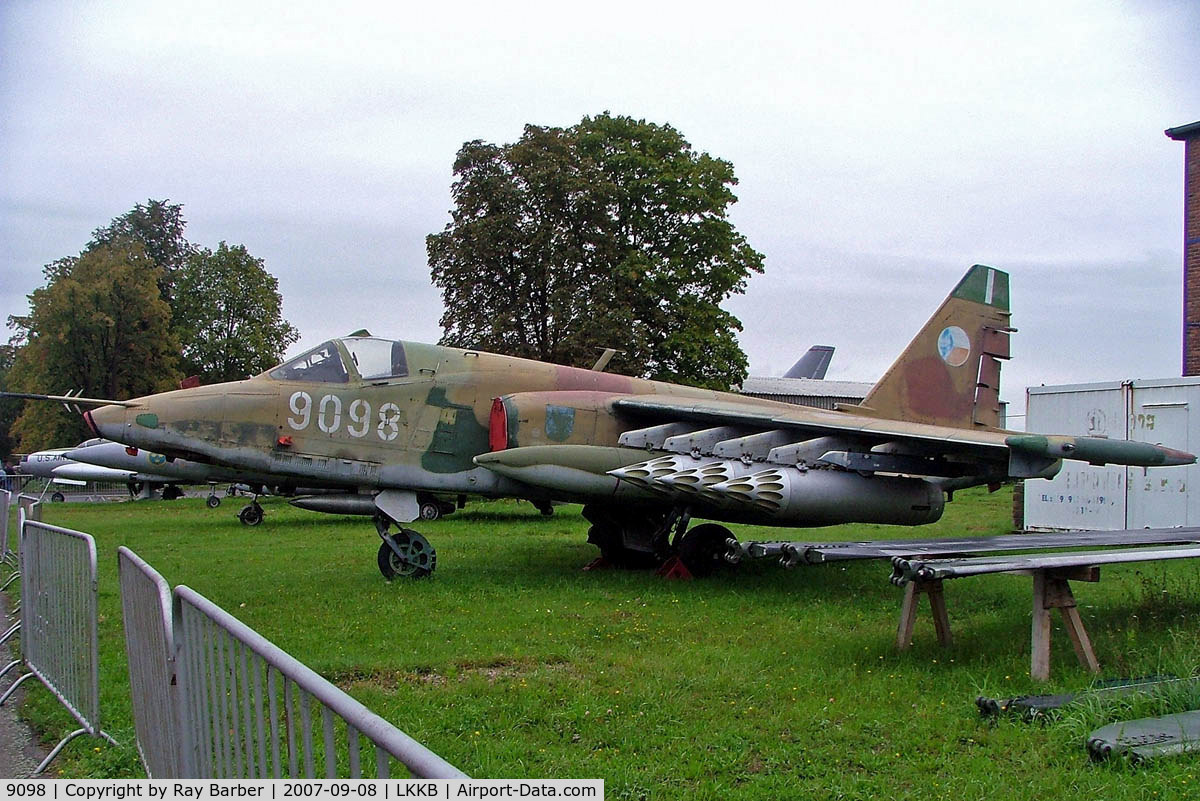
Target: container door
1158,496
1081,496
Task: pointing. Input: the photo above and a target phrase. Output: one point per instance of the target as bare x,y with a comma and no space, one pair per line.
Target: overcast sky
879,153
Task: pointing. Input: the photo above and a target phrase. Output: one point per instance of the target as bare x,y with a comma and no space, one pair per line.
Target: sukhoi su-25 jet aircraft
645,458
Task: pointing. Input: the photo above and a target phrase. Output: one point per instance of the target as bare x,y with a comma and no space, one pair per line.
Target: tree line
611,233
136,311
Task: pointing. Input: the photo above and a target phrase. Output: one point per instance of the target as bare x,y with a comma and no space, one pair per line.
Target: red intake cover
498,426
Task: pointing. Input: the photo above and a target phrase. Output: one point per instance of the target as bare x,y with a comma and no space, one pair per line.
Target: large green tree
99,326
228,313
123,317
10,408
159,226
611,233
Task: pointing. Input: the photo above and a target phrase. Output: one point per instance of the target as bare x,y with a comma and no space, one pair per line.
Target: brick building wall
1191,254
1190,136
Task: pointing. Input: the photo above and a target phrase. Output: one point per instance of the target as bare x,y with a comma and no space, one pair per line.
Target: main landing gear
637,539
432,508
251,514
405,553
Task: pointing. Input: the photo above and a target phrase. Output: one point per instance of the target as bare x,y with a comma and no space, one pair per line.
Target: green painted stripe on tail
983,284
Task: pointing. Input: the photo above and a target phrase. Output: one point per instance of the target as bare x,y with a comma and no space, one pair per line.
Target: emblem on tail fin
954,345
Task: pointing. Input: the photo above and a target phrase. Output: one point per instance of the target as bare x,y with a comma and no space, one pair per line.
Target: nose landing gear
405,553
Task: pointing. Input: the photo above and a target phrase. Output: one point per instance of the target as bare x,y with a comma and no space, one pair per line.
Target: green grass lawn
762,684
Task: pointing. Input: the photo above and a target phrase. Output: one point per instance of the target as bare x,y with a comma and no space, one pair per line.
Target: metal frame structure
1051,573
59,637
921,565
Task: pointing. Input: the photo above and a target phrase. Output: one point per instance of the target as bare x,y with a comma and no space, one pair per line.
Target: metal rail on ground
921,566
790,554
1051,573
59,639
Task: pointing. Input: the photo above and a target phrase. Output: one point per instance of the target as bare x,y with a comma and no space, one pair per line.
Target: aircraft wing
817,422
867,443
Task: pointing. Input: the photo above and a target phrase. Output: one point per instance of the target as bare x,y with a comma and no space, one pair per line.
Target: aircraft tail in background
812,364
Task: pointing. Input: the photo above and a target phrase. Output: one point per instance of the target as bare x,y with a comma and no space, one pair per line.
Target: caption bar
373,789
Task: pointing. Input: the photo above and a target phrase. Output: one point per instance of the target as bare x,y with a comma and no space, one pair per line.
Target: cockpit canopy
373,359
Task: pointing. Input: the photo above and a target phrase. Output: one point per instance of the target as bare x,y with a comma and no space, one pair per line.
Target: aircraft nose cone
107,421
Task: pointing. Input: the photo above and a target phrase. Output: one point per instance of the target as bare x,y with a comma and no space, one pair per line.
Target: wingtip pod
1100,451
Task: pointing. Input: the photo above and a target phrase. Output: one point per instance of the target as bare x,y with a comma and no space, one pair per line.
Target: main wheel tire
57,497
612,548
213,501
418,559
251,515
171,492
703,549
430,510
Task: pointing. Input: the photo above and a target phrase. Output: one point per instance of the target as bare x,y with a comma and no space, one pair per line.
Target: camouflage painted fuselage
417,431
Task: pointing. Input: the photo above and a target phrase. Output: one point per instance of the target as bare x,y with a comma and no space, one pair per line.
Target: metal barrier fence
212,698
6,556
15,483
252,710
58,490
31,506
150,648
59,640
8,559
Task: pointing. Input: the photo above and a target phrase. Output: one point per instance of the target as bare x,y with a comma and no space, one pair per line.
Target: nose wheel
406,554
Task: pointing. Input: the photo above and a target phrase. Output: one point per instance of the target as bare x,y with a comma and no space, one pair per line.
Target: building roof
768,385
1184,132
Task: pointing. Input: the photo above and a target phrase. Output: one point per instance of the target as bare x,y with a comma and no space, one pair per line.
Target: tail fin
812,364
950,373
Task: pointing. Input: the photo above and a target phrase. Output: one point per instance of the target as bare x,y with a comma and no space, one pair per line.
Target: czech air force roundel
954,346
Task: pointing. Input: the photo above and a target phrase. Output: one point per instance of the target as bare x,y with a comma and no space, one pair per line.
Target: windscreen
377,358
322,365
